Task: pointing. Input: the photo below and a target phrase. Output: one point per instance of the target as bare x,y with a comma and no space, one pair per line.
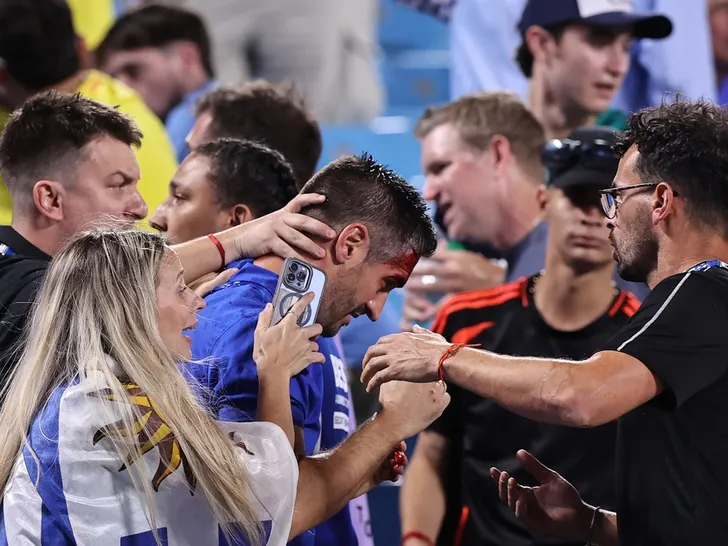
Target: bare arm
328,481
422,495
584,394
283,233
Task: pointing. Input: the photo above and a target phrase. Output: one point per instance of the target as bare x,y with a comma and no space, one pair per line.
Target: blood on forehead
406,262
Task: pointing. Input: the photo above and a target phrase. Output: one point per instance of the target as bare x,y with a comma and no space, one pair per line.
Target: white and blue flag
85,495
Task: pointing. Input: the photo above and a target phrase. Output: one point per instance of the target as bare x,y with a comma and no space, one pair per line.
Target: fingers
294,239
299,307
306,224
372,374
535,467
304,200
313,331
418,308
264,318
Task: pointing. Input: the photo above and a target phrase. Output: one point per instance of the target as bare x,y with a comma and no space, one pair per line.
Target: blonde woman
103,442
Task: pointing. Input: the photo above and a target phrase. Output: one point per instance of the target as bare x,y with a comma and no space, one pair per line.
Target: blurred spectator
40,50
484,39
481,156
163,52
92,19
719,34
326,47
576,56
567,311
261,112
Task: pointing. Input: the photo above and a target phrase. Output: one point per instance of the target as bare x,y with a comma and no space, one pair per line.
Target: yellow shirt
92,19
156,158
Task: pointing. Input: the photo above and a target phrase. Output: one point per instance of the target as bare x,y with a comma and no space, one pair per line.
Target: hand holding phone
298,278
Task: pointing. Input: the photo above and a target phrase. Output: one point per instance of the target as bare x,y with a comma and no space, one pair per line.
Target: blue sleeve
225,336
237,385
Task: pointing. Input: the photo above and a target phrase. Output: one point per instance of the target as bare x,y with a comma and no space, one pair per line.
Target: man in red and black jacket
568,310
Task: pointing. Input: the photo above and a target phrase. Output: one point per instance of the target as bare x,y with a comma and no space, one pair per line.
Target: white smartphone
297,279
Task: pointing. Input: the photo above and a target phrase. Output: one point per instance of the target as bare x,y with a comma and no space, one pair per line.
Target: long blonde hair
98,300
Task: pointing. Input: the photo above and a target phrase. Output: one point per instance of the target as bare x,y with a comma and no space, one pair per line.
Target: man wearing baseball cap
568,310
576,56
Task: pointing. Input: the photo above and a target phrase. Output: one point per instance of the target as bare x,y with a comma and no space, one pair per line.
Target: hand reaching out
554,507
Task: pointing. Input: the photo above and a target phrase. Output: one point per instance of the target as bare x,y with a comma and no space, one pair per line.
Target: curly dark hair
684,144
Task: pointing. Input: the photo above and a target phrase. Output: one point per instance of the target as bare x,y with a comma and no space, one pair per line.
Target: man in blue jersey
222,183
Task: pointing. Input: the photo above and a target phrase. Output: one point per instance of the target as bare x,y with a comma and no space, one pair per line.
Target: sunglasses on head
561,154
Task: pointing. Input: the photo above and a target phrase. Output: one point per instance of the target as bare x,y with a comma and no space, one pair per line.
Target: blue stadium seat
388,139
416,78
402,28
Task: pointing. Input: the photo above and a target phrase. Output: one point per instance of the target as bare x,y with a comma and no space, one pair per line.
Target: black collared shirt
21,271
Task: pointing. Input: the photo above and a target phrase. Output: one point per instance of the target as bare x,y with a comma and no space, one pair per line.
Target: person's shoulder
615,119
468,308
625,305
21,274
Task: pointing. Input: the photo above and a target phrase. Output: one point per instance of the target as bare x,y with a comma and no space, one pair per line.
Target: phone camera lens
301,276
291,277
294,267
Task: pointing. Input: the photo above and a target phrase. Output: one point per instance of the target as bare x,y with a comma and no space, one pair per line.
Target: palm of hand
554,503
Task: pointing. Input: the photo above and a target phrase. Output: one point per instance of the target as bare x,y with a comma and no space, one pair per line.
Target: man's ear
239,214
49,198
542,197
352,243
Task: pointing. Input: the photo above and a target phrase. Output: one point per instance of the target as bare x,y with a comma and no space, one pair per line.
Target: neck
569,300
271,262
45,236
521,216
699,247
556,118
194,80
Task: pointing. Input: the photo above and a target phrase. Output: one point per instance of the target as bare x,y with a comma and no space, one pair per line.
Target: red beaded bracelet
220,249
416,534
451,350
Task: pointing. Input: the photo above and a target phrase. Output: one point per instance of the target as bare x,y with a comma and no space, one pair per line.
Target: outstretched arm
328,481
582,394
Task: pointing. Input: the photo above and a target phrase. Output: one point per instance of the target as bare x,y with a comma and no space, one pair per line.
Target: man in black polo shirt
68,161
663,376
568,310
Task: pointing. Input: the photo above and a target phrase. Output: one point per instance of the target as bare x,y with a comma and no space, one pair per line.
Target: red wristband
416,534
451,350
220,249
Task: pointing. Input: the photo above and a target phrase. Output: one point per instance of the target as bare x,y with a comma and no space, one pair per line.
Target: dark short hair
684,144
38,42
44,137
358,189
524,57
273,115
156,25
244,172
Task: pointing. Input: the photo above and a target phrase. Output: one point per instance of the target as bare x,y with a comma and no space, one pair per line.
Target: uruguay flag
84,494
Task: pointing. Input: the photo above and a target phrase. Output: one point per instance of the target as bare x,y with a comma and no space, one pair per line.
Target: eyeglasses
609,197
558,155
